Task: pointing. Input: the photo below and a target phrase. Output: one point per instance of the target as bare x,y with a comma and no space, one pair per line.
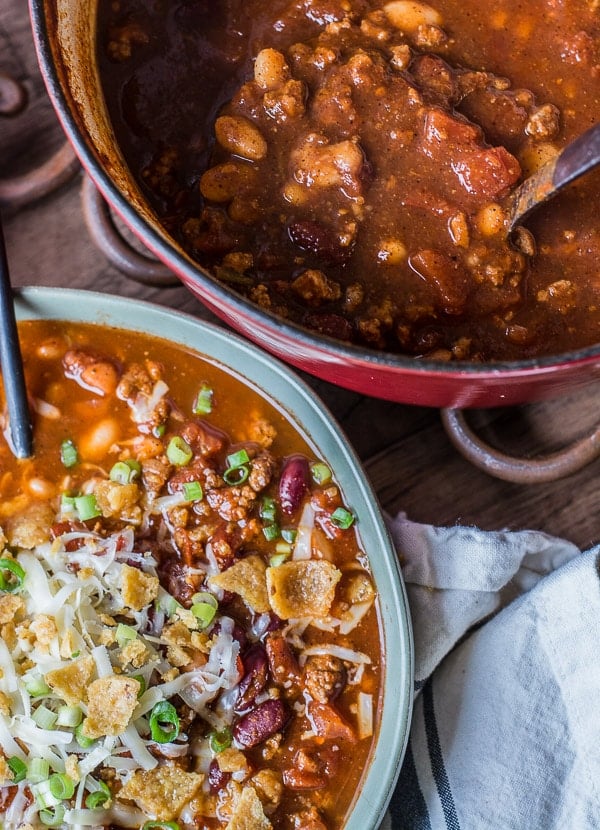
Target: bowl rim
168,251
296,399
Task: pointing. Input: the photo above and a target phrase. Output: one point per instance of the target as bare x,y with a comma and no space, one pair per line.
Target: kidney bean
260,723
294,483
318,239
256,674
217,779
282,660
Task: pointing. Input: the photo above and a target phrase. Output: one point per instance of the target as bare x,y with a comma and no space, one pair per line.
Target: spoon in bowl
577,158
20,432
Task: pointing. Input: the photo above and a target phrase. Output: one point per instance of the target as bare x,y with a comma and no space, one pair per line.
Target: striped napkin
506,726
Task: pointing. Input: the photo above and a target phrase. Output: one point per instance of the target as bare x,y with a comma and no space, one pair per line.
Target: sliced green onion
204,613
87,507
18,769
288,534
159,430
160,825
218,741
320,472
271,532
236,475
205,596
342,518
192,490
61,786
83,740
278,559
237,459
52,818
123,472
204,399
179,451
268,509
12,576
36,687
38,770
43,796
164,715
99,797
141,680
125,634
69,716
167,604
68,453
44,717
67,506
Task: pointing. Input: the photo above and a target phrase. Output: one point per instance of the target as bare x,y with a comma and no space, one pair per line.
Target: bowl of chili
336,193
209,616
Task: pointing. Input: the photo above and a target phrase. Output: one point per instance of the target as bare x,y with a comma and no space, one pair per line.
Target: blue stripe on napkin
437,761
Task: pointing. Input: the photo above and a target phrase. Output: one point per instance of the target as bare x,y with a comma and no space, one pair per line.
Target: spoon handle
11,362
578,157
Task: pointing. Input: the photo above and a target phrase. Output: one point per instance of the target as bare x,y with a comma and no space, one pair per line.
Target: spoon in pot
20,433
577,158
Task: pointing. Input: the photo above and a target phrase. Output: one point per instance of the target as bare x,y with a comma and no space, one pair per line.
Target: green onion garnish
320,472
204,612
99,797
125,634
159,430
205,596
192,491
203,403
237,459
52,818
36,687
69,716
160,825
83,740
288,534
236,475
68,453
179,451
342,518
123,472
61,786
268,509
44,717
87,507
18,769
271,532
38,770
218,741
278,559
140,679
12,576
164,715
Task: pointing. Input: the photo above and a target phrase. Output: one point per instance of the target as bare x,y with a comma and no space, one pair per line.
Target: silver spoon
577,158
11,362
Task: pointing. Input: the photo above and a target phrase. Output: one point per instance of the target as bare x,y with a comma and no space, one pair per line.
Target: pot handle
139,267
551,467
18,191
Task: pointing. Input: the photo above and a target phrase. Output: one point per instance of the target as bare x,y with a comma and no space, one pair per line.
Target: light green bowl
279,384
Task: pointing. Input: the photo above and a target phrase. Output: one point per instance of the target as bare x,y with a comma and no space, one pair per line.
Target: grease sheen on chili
346,163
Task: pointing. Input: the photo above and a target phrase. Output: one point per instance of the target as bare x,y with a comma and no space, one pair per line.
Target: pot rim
168,251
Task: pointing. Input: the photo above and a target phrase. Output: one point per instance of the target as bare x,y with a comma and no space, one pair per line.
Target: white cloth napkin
506,724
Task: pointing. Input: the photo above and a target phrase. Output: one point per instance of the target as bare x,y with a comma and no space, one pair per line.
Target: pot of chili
203,617
330,177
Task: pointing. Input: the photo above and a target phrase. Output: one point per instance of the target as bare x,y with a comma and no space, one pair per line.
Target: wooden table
410,460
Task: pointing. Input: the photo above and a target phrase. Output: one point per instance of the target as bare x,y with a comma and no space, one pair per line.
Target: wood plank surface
408,456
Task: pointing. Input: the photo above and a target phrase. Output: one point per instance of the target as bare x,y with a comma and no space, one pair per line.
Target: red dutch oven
64,34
